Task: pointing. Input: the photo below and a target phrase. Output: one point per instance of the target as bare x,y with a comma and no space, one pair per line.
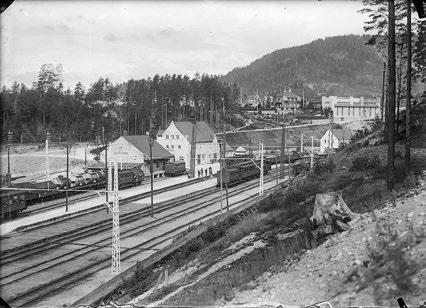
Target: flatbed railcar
17,201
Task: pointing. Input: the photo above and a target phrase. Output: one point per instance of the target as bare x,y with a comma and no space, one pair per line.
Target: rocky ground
343,270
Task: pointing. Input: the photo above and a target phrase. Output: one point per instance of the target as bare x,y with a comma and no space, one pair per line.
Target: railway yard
50,257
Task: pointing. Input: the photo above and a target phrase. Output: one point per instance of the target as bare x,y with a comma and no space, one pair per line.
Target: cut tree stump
331,215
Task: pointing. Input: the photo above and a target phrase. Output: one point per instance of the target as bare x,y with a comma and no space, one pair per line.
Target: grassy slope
363,191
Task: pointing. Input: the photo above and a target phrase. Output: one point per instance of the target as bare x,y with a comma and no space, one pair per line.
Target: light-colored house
334,139
177,138
135,149
352,108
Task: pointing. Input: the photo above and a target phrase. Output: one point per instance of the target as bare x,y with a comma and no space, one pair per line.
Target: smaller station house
135,149
338,135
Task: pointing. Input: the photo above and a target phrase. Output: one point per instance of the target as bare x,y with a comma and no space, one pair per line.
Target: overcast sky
137,39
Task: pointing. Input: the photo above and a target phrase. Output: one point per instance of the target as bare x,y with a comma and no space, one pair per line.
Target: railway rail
61,203
36,294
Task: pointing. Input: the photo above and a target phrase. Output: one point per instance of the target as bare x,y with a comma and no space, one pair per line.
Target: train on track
15,201
175,168
242,170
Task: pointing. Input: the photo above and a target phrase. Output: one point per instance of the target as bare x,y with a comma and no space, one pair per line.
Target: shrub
322,166
390,265
365,162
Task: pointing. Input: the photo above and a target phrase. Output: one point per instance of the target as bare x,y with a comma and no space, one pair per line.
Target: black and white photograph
212,153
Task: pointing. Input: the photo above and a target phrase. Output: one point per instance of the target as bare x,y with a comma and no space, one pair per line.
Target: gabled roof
341,134
141,142
203,132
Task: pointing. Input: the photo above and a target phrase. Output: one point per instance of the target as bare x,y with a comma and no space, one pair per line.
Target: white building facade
352,108
334,139
177,138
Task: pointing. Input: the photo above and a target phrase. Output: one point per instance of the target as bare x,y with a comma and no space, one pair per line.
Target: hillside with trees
341,65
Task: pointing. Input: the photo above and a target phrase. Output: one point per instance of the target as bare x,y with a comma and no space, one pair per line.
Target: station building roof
203,132
141,142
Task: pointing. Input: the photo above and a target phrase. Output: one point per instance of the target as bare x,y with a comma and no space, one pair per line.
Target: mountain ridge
338,65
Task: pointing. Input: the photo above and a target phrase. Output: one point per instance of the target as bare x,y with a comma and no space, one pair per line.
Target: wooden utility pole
408,96
68,149
193,119
391,95
282,151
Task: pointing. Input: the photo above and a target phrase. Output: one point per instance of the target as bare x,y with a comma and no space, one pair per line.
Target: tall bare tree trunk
382,101
408,96
391,96
398,97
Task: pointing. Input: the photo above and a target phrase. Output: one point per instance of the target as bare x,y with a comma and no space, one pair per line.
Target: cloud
58,28
110,37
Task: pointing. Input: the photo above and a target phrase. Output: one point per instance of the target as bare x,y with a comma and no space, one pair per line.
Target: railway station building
135,150
177,138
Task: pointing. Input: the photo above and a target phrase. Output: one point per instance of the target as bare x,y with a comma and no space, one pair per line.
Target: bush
322,166
390,266
365,162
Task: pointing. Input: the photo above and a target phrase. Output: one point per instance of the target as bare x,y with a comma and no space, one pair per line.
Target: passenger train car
242,172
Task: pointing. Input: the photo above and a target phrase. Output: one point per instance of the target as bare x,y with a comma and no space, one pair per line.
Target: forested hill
341,65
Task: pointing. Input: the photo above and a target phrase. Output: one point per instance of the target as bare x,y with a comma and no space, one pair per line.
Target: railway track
97,208
34,295
61,202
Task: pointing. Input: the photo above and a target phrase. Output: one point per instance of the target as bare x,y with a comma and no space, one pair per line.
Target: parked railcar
242,172
12,203
175,168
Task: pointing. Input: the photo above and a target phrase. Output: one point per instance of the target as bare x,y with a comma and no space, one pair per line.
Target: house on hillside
334,139
287,102
135,150
177,138
253,101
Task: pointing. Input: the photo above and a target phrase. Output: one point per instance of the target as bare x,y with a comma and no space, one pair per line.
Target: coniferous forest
109,110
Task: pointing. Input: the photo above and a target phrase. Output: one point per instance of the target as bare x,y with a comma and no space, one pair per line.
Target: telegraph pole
276,168
312,151
116,259
301,143
221,175
331,133
47,155
193,119
224,165
108,180
152,136
9,144
261,170
282,151
68,148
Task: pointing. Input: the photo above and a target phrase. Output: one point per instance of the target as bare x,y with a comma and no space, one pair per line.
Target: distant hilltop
340,65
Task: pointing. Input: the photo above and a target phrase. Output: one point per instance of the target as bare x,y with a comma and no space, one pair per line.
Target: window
173,136
173,146
179,146
198,159
157,165
167,146
167,136
181,158
177,137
